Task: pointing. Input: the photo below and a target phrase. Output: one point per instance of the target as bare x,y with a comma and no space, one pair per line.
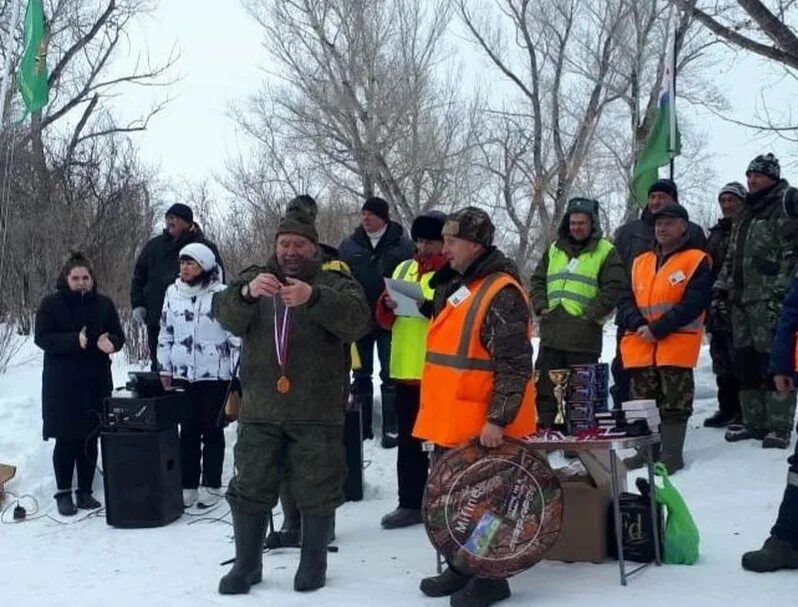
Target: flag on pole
664,140
32,74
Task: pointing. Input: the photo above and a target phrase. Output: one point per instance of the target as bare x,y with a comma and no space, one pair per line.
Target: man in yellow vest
663,314
408,345
477,378
574,288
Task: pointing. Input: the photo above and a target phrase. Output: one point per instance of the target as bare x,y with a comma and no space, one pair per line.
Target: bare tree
360,104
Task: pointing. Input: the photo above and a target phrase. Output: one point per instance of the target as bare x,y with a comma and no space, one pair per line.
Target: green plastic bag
681,533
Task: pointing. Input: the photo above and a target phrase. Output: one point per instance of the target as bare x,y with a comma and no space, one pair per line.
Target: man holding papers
397,311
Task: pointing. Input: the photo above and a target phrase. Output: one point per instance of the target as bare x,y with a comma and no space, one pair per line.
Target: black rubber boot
390,432
673,435
85,501
312,571
444,584
248,568
775,554
719,419
481,592
289,533
64,503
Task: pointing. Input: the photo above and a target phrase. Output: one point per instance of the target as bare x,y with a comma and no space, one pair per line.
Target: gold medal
283,384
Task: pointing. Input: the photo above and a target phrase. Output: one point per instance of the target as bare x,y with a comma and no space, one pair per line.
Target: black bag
637,529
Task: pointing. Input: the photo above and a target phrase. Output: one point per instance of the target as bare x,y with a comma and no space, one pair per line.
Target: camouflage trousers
767,411
309,458
672,387
753,325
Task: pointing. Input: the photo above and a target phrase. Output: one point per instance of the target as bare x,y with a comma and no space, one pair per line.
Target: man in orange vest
477,373
663,314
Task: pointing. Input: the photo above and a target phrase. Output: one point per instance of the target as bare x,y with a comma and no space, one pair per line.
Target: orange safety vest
458,377
656,292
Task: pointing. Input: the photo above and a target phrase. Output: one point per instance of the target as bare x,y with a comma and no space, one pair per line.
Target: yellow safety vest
409,335
339,265
573,282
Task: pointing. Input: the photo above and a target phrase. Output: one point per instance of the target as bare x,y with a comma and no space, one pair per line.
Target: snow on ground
733,491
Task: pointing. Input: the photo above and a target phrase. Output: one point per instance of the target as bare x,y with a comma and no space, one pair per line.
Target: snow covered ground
733,491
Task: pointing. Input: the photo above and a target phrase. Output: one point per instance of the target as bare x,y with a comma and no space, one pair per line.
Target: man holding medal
294,319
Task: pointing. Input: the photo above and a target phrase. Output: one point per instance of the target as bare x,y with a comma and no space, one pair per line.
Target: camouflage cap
767,164
304,203
471,224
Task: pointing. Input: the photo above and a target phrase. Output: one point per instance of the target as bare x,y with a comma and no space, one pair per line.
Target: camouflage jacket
763,249
718,319
503,333
318,363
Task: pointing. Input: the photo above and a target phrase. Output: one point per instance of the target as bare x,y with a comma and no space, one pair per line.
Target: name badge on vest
459,296
572,264
677,277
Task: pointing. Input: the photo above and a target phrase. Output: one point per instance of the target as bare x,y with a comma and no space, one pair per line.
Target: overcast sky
221,62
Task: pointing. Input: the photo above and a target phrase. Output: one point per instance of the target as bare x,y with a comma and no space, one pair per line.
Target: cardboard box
6,474
586,501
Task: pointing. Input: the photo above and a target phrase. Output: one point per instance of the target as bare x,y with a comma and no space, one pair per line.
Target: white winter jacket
191,344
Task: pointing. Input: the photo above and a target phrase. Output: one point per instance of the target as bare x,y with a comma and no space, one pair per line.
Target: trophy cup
559,377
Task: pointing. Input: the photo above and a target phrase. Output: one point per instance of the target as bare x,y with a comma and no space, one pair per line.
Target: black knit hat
471,224
304,203
379,207
767,164
298,222
428,226
672,209
182,211
735,188
666,186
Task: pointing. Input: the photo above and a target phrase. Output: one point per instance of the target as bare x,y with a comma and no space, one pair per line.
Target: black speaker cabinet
142,478
353,441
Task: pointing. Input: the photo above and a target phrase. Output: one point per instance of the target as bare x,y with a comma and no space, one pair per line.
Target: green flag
664,141
32,74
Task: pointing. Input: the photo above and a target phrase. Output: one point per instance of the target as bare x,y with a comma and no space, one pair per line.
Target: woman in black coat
78,329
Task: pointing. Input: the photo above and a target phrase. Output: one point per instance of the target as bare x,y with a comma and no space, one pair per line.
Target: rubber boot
444,584
289,533
673,435
312,571
775,554
365,402
481,592
390,432
248,568
779,415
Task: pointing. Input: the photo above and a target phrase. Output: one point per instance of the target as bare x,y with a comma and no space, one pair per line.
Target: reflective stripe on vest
573,282
457,384
409,335
656,292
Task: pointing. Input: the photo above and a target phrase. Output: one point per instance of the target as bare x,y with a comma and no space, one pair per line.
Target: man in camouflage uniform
754,282
721,344
468,245
662,313
294,320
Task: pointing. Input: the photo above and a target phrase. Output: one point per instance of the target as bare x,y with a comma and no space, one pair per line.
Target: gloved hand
139,315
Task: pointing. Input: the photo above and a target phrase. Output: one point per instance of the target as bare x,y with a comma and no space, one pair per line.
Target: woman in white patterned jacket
196,353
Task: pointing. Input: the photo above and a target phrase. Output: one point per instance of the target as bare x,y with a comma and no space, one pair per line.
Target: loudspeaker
142,478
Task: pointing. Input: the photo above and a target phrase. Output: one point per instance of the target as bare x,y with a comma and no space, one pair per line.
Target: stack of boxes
631,411
586,396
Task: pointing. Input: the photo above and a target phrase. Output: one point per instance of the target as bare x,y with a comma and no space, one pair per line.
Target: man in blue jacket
780,550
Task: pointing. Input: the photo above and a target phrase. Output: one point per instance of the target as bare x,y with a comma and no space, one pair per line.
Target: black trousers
152,342
362,387
620,376
412,462
201,434
71,454
552,358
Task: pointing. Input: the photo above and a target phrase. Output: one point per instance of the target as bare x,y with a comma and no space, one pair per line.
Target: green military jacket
319,333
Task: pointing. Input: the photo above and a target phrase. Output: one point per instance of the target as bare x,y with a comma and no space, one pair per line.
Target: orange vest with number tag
458,378
656,292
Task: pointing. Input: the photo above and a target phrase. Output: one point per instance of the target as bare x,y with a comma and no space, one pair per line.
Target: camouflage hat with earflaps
588,206
767,164
471,224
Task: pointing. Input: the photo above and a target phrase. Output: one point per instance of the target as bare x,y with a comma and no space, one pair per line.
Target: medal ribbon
281,334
